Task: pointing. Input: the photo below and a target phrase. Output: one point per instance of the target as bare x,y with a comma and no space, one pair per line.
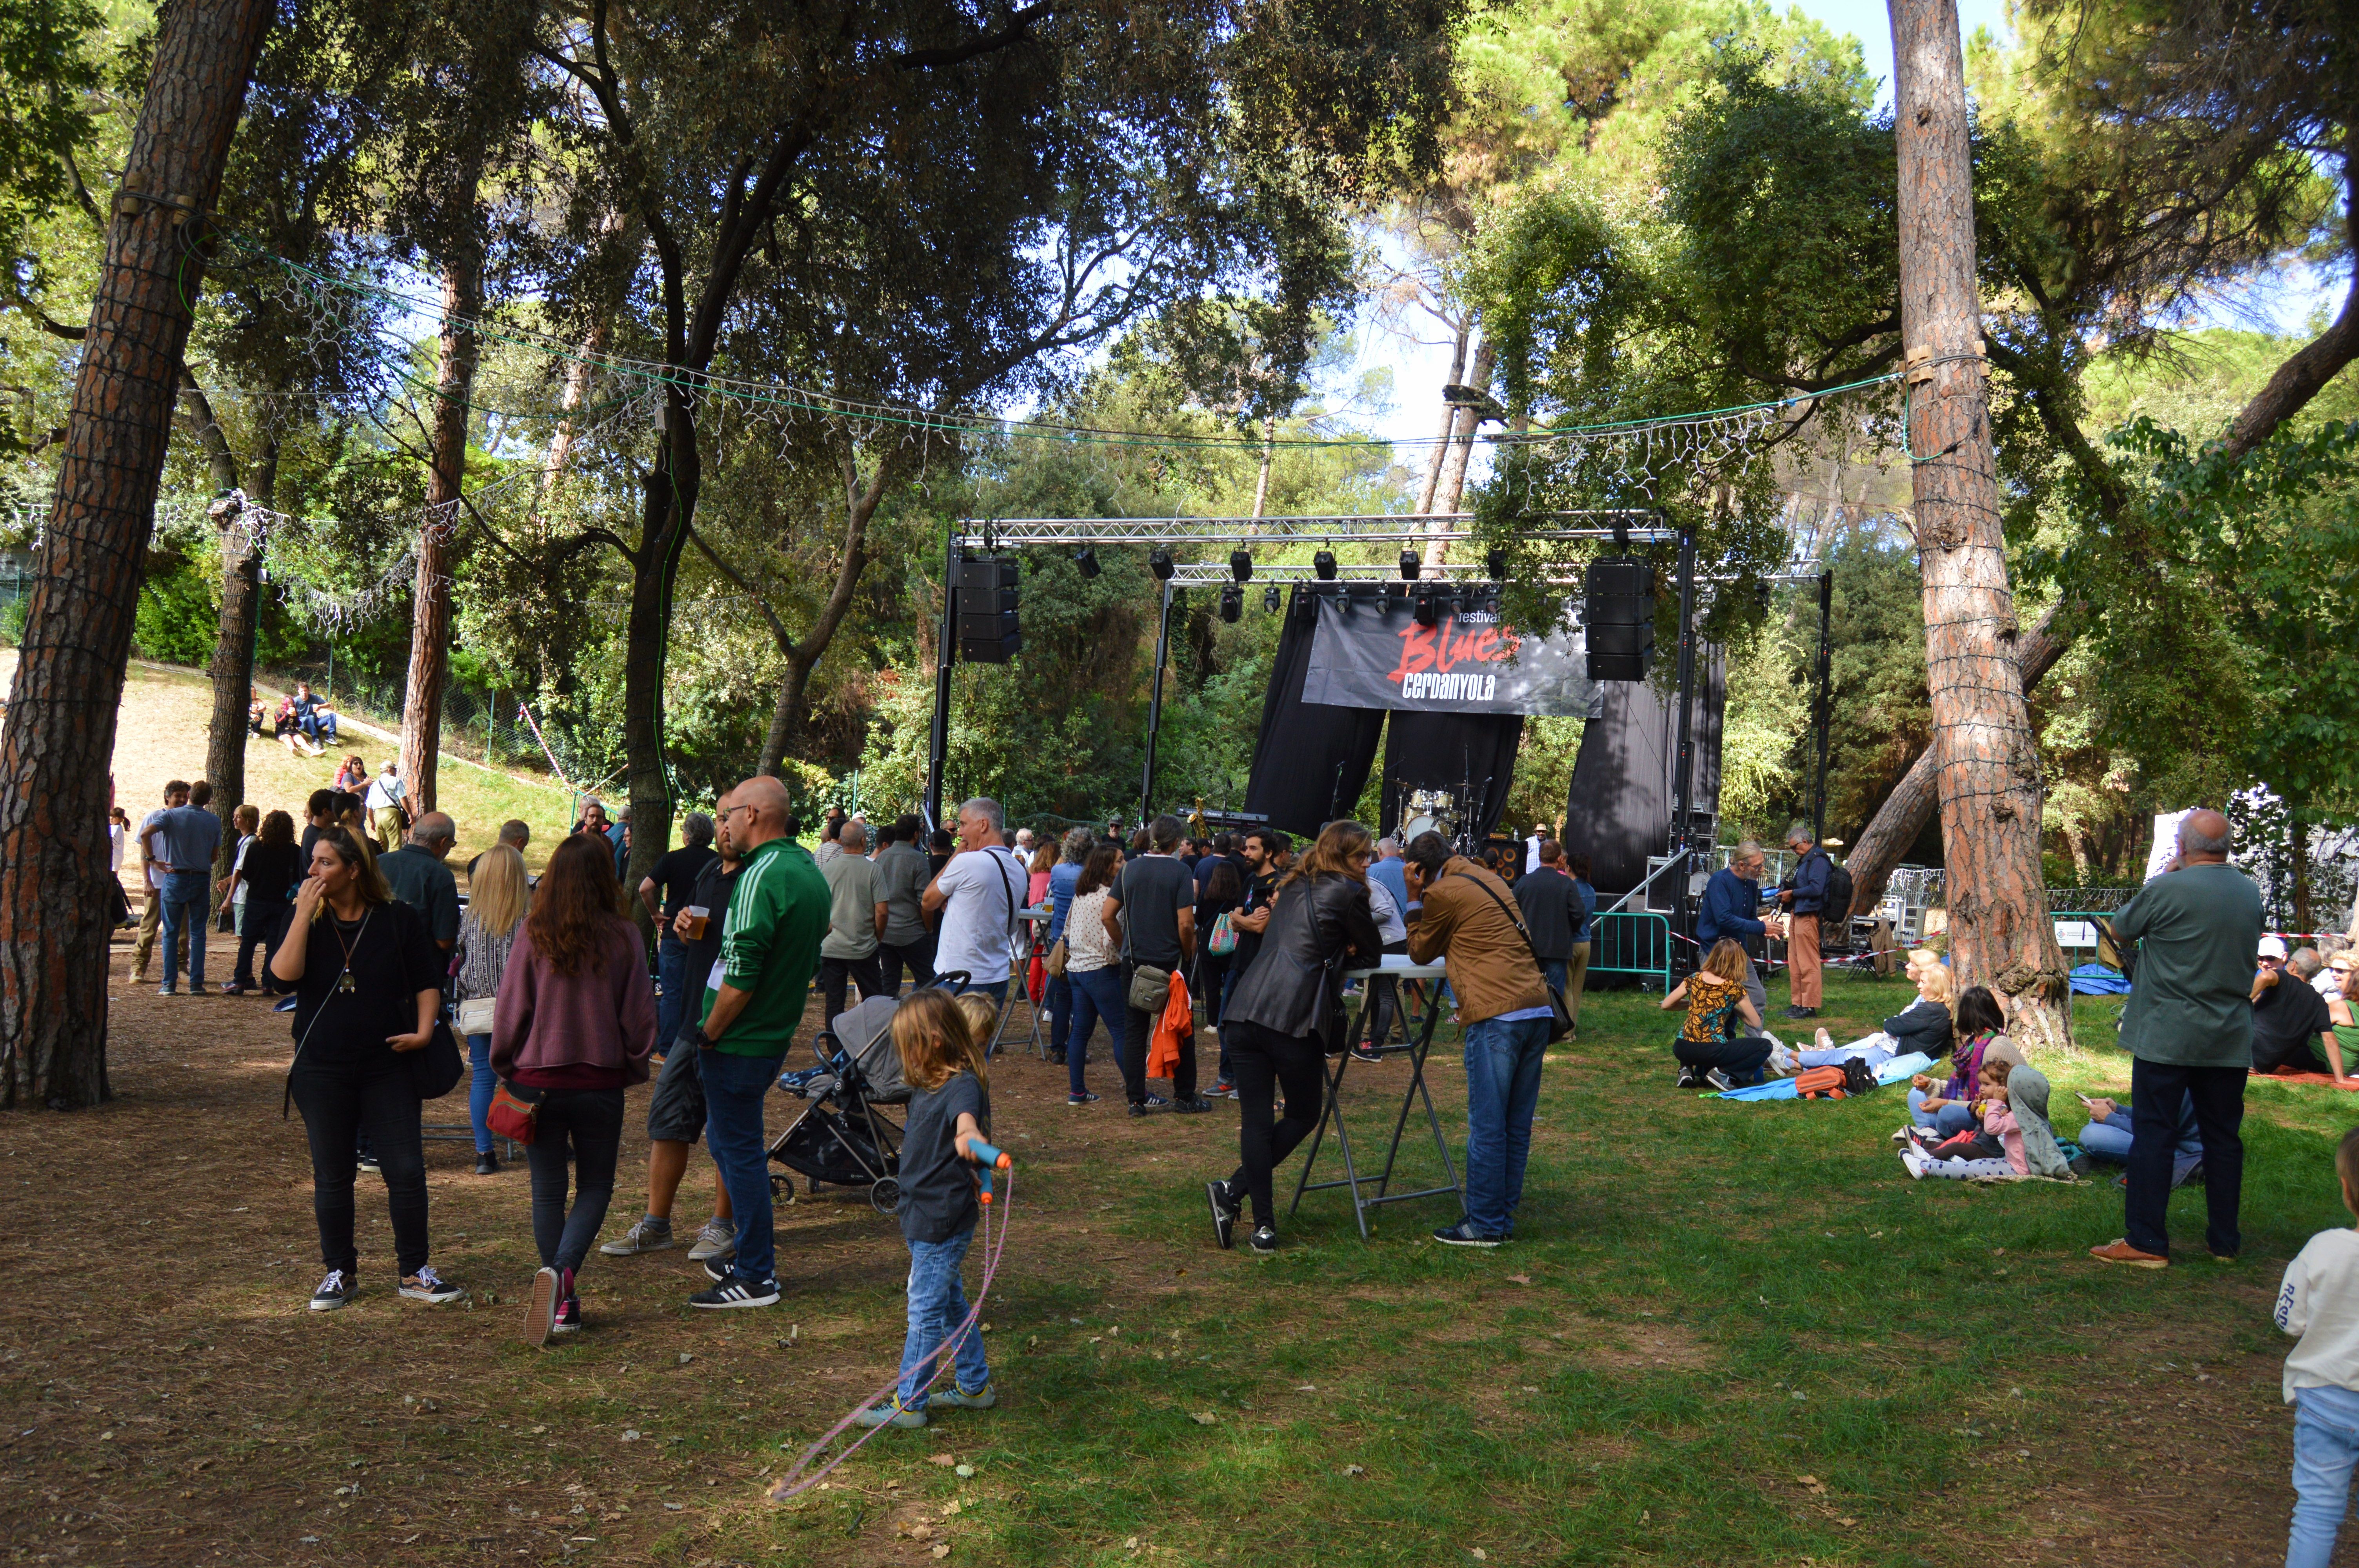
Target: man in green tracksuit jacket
753,1003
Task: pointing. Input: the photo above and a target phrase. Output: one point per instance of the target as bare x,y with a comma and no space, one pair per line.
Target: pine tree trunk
1461,451
429,601
1449,423
57,744
1987,754
1904,812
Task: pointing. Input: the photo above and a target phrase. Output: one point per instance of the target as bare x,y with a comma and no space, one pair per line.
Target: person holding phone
368,985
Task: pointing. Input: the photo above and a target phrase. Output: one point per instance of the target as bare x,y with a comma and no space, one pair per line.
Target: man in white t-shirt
976,896
388,813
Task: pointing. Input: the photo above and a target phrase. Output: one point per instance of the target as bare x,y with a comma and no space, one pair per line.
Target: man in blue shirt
1805,902
1389,868
1730,901
181,843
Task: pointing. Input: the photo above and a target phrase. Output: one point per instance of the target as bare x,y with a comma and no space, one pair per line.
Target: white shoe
1900,1135
640,1238
1915,1161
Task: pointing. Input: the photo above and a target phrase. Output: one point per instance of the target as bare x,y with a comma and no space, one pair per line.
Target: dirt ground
169,1399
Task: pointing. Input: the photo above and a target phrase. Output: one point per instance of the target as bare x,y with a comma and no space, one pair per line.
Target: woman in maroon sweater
574,1022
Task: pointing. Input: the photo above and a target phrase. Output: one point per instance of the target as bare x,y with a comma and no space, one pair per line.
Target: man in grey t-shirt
902,872
1151,911
856,919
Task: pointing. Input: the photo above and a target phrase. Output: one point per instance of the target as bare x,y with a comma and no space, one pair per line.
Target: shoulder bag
1150,988
1560,1016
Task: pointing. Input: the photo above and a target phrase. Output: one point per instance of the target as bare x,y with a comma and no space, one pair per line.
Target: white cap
2273,947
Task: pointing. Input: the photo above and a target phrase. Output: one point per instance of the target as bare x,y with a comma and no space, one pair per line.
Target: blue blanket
1899,1070
2096,979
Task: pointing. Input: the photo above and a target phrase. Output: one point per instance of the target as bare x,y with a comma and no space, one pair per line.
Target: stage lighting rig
1496,563
1088,561
1158,561
1409,564
1233,601
1270,599
1424,608
1324,563
1241,565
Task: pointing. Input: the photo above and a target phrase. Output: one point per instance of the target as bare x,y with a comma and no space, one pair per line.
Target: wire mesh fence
483,726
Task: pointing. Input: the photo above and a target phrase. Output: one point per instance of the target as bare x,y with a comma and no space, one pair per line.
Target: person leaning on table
1462,914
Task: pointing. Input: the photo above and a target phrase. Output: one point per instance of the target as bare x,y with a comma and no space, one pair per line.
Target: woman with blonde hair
497,898
1711,1052
1924,1024
367,983
1285,1016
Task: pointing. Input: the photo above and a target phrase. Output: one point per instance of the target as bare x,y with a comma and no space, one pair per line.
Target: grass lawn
1725,1334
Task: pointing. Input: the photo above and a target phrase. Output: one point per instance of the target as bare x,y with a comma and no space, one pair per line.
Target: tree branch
761,601
1017,26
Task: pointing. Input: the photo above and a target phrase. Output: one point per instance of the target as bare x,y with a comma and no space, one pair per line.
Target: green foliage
179,611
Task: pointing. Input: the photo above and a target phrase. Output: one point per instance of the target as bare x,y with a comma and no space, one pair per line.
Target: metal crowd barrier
1631,942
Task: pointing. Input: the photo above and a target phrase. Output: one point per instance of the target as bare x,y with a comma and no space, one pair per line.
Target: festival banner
1371,652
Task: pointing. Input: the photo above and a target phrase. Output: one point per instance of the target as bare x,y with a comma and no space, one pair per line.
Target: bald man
419,878
753,1003
2188,1027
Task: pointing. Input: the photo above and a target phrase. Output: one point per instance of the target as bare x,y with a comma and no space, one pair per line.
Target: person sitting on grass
2015,1115
1940,1107
948,1115
2107,1137
2318,1302
1988,1149
1923,1025
1710,1052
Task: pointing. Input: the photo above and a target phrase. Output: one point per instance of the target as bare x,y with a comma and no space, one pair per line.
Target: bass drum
1424,822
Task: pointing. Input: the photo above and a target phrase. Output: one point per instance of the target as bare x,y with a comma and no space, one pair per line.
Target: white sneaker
1900,1135
716,1242
1915,1161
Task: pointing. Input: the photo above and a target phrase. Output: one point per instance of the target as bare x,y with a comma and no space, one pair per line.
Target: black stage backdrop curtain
1312,760
1619,812
1472,755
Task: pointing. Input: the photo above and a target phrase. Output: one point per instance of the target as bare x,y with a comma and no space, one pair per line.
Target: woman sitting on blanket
1710,1052
2014,1140
1942,1107
1923,1025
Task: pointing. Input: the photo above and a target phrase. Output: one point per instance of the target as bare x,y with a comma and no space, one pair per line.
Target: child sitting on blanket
1996,1149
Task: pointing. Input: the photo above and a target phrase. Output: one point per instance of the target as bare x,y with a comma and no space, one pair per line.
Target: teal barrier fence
1632,942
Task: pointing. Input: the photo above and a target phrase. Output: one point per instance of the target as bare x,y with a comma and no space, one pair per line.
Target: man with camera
1464,914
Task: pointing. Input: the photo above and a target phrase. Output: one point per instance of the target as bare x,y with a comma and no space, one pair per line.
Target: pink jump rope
795,1482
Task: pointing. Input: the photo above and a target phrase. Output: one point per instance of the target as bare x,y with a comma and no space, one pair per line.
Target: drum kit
1431,811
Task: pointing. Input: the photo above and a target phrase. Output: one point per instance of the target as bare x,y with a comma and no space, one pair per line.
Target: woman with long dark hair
1943,1106
268,871
1285,1016
368,983
575,1023
1223,893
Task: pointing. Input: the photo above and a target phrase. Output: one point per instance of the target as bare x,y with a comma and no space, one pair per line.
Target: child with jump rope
949,1120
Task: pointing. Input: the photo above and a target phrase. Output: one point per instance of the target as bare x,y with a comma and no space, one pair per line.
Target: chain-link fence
16,587
480,726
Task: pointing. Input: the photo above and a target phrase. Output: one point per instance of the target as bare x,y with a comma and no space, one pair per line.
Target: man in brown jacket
1464,914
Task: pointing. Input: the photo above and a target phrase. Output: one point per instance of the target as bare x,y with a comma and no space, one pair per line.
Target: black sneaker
1156,1102
1224,1213
1138,1108
1463,1233
1802,1013
1718,1080
1190,1106
1689,1078
367,1167
487,1164
431,1288
334,1292
1363,1051
735,1291
1264,1239
1084,1098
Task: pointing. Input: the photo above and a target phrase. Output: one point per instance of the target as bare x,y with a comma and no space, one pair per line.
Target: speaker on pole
987,630
1618,618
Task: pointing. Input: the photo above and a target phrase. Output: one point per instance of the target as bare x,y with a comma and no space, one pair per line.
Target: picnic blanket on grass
1899,1070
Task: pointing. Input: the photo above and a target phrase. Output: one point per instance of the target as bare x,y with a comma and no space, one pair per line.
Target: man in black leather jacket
1286,1014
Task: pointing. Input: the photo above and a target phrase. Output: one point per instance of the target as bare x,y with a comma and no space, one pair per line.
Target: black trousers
340,1100
1212,978
1731,1057
918,955
261,929
587,1124
1139,1028
1384,1004
861,972
2219,1095
1266,1061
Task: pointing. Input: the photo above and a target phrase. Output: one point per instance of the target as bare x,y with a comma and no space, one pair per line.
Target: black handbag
436,1067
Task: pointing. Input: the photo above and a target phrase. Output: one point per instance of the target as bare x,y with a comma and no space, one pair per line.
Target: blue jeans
1558,976
937,1306
479,1084
733,1087
1097,994
2325,1448
1949,1121
319,726
671,1007
185,906
1502,1090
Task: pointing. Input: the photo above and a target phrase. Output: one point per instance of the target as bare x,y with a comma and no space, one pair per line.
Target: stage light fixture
1233,601
1241,565
1088,561
1324,563
1409,563
1270,599
1496,563
1424,608
1158,561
